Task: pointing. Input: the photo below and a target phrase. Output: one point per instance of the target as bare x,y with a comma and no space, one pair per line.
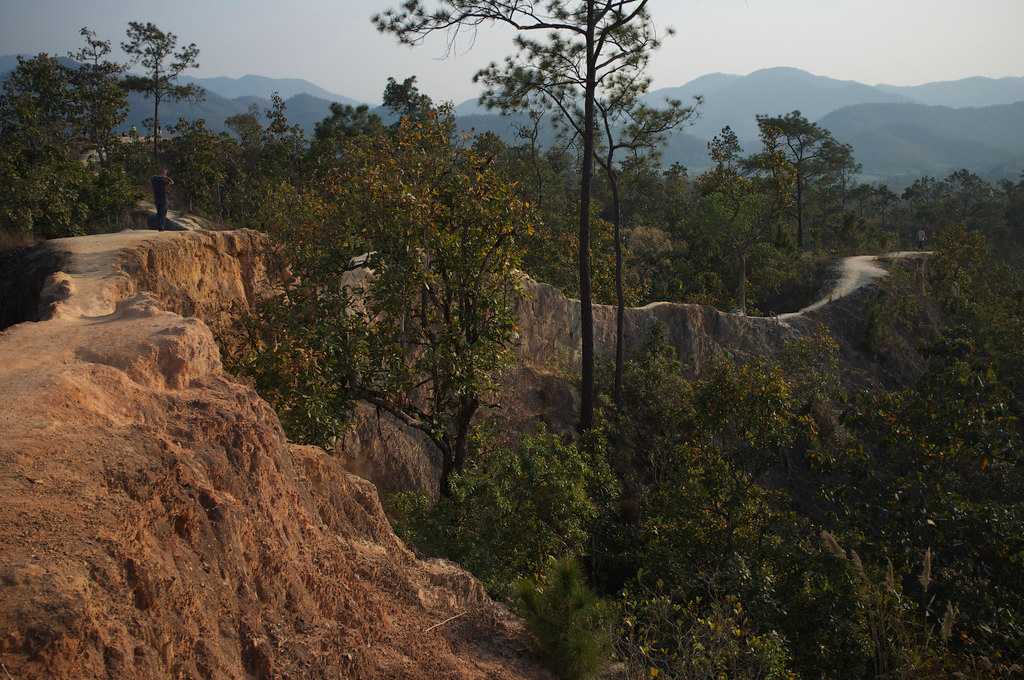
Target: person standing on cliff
160,183
922,239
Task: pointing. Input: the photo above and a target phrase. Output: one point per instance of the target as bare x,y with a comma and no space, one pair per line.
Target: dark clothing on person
160,183
161,215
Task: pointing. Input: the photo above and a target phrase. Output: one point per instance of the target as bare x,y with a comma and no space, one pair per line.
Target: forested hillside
739,492
967,92
913,139
736,100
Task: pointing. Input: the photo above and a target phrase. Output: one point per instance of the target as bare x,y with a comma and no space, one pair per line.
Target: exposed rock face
392,455
550,329
23,274
156,523
541,388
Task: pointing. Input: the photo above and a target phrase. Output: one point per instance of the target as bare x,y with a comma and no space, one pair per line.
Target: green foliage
904,643
938,464
797,152
99,93
405,99
427,321
197,159
567,620
162,62
46,123
514,507
735,473
345,122
664,639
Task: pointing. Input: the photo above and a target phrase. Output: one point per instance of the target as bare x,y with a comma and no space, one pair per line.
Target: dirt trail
155,522
854,273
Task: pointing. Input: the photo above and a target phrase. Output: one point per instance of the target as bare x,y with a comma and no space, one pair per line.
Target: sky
333,44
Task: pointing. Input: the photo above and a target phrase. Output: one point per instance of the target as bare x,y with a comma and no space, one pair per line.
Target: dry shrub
13,240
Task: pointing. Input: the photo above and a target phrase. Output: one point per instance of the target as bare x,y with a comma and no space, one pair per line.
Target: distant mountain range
736,100
908,140
962,93
264,88
897,132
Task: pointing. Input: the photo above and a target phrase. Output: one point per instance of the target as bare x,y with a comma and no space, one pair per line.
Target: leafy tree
41,179
514,506
39,108
831,195
198,159
99,92
971,201
244,166
283,144
405,100
632,127
884,202
772,164
924,202
260,158
425,335
809,149
343,123
45,123
600,40
446,245
155,49
741,204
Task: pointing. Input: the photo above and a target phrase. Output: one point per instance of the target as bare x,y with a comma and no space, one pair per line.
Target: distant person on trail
160,183
921,239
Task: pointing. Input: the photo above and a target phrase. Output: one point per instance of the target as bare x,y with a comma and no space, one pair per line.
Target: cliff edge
156,523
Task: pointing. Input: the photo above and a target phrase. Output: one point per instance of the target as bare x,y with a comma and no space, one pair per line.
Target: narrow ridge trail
156,523
855,273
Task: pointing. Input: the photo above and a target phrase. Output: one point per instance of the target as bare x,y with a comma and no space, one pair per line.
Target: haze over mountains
966,92
264,87
898,132
736,100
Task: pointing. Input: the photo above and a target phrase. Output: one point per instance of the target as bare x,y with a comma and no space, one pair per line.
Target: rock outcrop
541,388
155,522
549,325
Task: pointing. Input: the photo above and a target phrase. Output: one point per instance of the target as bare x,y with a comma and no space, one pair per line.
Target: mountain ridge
888,140
263,86
972,91
737,100
914,139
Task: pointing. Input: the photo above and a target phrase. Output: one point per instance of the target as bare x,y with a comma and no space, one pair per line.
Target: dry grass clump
12,240
910,639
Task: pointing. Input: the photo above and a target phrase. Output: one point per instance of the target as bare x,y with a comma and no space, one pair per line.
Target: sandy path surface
855,273
93,280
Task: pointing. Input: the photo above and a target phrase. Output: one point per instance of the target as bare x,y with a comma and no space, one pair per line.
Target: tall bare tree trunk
586,302
620,296
454,459
799,210
741,291
156,131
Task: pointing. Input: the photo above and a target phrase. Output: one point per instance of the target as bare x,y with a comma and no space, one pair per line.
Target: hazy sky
332,43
